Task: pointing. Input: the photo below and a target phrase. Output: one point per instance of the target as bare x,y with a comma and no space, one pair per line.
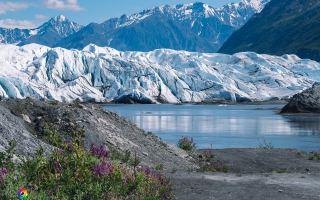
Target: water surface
231,126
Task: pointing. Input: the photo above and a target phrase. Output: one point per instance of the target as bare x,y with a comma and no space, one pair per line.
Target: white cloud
40,16
63,4
10,23
12,6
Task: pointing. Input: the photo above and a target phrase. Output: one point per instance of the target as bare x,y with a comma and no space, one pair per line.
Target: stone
26,118
308,101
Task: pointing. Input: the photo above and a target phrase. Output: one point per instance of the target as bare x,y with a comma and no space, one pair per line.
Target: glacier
103,74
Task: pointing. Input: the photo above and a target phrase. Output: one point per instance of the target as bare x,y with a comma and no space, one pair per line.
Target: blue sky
33,13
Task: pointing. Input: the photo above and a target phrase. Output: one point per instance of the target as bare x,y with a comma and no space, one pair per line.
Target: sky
33,13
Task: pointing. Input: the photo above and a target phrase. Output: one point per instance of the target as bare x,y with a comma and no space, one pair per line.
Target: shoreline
245,148
206,103
277,174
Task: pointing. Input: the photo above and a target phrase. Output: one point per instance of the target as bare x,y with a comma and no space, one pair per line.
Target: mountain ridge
280,28
47,34
198,26
192,27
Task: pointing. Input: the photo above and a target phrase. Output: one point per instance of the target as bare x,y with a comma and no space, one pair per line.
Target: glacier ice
104,74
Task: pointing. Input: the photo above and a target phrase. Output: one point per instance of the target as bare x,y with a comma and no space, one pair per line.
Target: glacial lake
231,126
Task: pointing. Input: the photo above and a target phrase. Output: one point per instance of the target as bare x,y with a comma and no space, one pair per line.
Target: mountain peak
59,18
256,4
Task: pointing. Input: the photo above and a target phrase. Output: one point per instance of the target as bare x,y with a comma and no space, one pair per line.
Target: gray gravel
13,128
100,126
253,174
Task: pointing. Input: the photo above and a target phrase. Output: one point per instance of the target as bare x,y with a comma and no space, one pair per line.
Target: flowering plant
186,144
72,172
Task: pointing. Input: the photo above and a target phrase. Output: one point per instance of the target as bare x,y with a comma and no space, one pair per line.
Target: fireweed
71,172
187,144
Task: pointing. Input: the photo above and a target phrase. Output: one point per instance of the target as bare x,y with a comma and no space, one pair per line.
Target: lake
230,126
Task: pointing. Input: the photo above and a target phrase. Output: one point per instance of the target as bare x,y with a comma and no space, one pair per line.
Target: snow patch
33,32
188,12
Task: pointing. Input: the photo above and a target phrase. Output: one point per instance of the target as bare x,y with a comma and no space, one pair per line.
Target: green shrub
187,144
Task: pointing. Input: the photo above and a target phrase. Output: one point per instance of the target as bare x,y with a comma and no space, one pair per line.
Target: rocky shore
23,120
277,174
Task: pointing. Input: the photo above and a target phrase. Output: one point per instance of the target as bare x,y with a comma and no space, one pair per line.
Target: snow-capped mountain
47,34
13,36
105,74
192,27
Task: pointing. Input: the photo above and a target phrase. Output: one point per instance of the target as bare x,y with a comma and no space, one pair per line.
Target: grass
265,144
299,154
174,170
283,171
159,167
72,172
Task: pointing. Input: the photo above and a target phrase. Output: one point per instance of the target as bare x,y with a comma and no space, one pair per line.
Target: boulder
307,101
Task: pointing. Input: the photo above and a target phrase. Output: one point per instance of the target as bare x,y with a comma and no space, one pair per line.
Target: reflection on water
310,124
225,126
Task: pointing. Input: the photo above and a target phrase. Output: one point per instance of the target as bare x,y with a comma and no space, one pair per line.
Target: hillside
283,27
24,120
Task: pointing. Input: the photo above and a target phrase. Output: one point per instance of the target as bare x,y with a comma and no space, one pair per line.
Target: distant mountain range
192,27
47,34
284,26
